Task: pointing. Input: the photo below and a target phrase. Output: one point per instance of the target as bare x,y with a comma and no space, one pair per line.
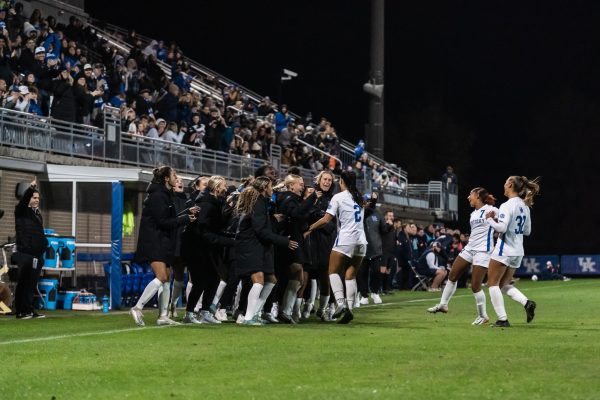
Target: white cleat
137,315
438,308
376,298
240,319
208,318
221,315
363,301
480,321
165,321
190,318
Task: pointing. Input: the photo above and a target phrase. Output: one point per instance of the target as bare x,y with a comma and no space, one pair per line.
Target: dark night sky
495,89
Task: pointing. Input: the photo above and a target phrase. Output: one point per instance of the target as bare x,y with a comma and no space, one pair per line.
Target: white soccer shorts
480,258
351,250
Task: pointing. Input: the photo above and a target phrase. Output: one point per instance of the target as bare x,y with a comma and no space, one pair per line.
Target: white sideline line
114,331
83,334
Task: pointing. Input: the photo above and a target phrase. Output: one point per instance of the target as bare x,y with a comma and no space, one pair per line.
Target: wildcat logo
586,264
531,265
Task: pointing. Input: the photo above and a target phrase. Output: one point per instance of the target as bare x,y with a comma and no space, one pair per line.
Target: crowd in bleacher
69,72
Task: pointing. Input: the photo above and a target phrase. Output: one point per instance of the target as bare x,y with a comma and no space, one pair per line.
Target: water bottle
105,304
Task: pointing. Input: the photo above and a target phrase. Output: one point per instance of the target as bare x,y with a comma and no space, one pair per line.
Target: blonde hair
248,197
525,188
320,176
291,179
214,182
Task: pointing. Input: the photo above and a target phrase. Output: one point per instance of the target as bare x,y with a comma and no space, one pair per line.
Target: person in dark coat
254,245
63,105
322,240
180,202
157,240
31,244
295,212
405,255
205,248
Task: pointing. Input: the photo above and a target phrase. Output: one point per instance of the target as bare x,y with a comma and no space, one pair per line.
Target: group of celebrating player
266,248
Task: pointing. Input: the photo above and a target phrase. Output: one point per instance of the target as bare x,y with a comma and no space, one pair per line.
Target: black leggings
369,277
28,278
205,281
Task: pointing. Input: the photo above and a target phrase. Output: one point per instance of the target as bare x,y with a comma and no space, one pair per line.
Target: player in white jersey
477,253
350,245
513,222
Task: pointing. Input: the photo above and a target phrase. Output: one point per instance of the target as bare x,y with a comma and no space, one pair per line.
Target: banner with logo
580,265
536,265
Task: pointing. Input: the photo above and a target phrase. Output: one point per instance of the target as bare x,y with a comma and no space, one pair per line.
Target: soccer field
391,351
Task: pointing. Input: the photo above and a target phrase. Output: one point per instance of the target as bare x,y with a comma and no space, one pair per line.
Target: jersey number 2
357,213
520,224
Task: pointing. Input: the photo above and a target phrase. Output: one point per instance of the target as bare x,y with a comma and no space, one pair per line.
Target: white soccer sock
313,291
480,301
351,292
337,287
291,292
264,295
448,292
323,302
177,289
163,300
219,293
298,305
188,289
199,303
515,294
498,302
253,298
148,293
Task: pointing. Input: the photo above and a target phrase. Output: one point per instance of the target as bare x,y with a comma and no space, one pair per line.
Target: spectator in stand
172,134
215,129
34,107
84,100
28,55
430,234
359,150
118,100
450,179
167,104
265,107
282,119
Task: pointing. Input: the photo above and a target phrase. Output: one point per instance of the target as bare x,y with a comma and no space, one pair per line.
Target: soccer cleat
208,318
190,318
376,298
530,310
308,306
137,316
438,308
164,321
363,301
340,310
252,322
480,321
37,316
240,319
269,317
286,319
346,317
501,324
221,315
24,316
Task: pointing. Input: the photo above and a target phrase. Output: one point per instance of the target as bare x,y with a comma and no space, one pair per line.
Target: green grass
394,351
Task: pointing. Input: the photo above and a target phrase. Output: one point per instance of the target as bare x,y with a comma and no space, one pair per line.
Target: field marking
140,329
83,334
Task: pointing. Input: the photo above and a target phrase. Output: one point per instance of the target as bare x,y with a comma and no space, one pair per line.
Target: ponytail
160,173
349,178
484,196
525,188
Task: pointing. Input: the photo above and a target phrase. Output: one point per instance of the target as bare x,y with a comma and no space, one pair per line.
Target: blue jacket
53,39
281,122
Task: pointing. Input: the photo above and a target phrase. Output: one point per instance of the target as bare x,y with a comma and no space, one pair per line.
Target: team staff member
156,241
31,244
206,247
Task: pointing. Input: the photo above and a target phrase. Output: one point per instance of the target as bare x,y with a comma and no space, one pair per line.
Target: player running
477,252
